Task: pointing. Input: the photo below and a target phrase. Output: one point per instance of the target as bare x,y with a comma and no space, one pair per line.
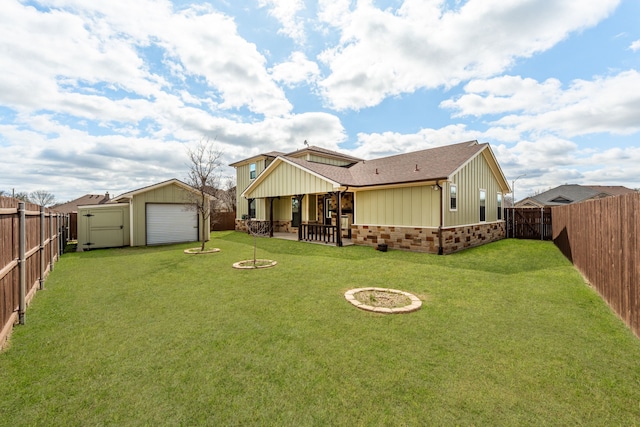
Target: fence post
59,223
51,251
42,251
22,267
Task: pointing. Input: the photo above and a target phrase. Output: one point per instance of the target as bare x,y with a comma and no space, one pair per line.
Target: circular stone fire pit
383,300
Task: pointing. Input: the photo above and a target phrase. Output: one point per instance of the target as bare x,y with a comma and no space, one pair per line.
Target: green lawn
508,334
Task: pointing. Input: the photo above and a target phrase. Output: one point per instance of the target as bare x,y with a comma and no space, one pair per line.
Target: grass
508,334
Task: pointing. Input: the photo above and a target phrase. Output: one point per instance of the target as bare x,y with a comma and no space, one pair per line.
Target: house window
252,171
499,206
453,197
483,205
252,208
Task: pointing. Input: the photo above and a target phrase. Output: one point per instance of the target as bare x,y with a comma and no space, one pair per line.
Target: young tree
204,163
228,194
42,198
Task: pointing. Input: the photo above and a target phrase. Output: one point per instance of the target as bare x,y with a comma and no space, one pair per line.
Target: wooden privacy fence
528,223
221,221
602,239
31,240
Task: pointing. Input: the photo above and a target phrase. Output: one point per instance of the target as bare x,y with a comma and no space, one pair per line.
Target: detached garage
159,214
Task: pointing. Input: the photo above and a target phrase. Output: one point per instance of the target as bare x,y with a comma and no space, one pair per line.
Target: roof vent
376,171
416,169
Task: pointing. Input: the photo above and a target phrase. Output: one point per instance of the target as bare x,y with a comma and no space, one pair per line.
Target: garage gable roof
173,181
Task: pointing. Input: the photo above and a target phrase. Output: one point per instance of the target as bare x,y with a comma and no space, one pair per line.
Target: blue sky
107,96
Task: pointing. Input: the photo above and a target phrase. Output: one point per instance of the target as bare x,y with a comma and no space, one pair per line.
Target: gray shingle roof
573,193
424,165
87,199
323,151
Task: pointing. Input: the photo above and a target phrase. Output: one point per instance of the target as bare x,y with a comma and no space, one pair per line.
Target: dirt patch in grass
382,300
258,263
376,298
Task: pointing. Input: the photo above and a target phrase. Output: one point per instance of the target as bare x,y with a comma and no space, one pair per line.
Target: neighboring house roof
432,165
612,190
572,193
87,199
173,181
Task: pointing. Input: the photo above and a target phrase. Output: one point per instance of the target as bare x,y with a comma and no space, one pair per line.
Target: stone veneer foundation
425,239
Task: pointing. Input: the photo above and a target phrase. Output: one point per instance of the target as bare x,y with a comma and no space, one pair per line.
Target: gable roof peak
322,151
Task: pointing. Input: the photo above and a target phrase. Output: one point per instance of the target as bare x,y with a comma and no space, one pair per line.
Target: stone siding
425,239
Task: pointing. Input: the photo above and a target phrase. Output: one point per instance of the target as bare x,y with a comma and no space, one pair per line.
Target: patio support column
271,216
299,197
339,218
441,189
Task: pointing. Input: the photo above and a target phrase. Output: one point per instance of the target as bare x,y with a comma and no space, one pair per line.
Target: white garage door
171,223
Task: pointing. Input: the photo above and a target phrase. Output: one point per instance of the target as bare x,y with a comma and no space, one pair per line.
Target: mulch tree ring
383,300
197,251
249,264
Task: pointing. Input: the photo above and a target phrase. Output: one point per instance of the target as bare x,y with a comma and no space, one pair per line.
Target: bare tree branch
204,163
42,198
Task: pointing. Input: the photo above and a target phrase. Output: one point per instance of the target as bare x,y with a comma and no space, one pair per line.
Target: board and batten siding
328,161
282,209
288,180
242,182
167,194
475,175
409,206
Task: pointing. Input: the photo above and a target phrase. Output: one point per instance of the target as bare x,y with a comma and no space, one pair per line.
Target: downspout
440,248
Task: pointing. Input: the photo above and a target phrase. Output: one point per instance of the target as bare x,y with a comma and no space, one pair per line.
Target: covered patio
292,236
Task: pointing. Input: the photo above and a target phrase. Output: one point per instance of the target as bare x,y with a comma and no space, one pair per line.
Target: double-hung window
252,171
453,197
483,205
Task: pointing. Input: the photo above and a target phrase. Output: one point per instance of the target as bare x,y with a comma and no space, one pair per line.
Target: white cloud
286,11
635,46
297,70
386,53
79,44
88,163
374,145
605,104
505,94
